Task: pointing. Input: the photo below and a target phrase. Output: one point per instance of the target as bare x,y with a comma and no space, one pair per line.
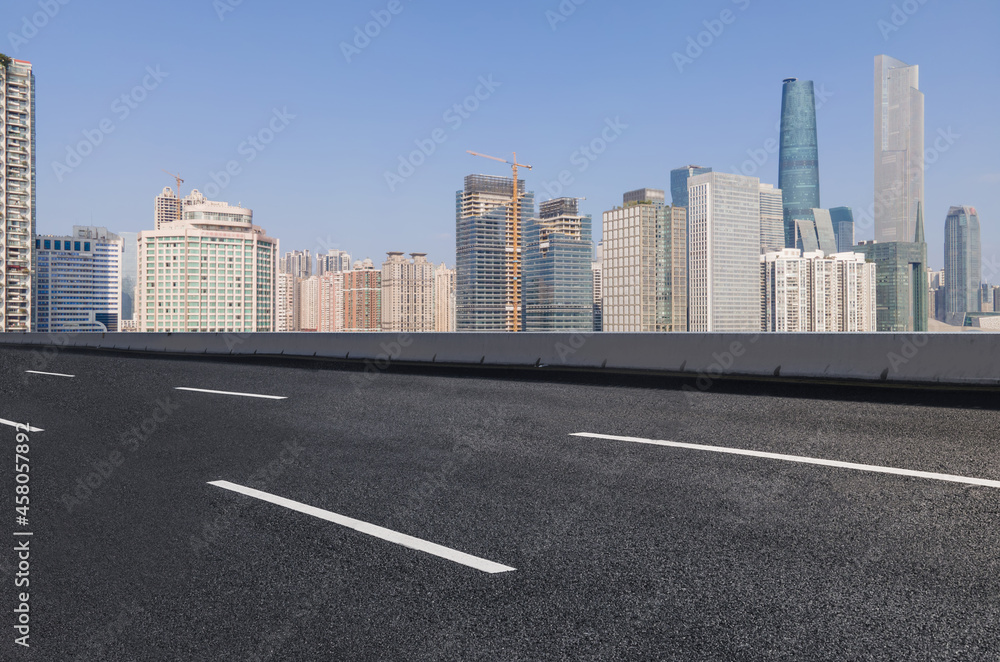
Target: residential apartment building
17,195
444,299
816,292
407,294
363,298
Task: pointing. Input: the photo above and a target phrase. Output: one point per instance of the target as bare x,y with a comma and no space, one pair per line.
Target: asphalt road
620,550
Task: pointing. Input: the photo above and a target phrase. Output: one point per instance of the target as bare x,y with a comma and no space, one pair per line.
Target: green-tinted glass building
798,155
901,290
962,261
558,281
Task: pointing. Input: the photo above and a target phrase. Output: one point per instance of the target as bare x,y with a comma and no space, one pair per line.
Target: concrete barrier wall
957,358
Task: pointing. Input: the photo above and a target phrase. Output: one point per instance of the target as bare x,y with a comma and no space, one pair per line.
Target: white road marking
804,460
20,426
50,374
371,529
244,395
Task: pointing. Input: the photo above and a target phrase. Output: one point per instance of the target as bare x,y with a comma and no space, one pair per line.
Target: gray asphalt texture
622,551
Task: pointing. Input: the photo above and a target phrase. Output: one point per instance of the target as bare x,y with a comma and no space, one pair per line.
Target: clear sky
200,77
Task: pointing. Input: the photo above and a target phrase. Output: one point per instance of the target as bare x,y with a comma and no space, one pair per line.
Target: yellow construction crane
516,204
179,182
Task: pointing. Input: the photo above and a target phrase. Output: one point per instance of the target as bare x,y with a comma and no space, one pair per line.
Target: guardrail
942,359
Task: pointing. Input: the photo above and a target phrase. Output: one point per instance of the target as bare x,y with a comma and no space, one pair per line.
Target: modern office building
772,219
444,299
842,219
963,261
679,183
901,281
78,281
17,195
724,253
297,263
129,273
488,254
597,279
643,245
286,308
334,260
816,292
798,154
407,294
558,251
212,271
363,298
899,149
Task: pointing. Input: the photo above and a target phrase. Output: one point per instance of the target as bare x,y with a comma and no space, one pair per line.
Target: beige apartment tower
407,294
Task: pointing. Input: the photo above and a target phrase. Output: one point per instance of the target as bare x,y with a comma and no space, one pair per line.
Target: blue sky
200,77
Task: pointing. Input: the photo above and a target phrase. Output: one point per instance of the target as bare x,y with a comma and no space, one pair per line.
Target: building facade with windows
407,294
213,271
798,154
17,195
963,262
79,281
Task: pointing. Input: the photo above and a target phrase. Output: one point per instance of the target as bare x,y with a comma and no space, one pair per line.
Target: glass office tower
558,282
798,155
679,183
899,149
962,261
843,228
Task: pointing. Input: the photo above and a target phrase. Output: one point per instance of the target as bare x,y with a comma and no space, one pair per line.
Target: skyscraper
307,292
679,183
798,154
334,260
407,294
297,263
557,274
724,253
485,254
843,228
79,285
962,261
129,273
597,278
286,308
212,271
643,240
899,149
17,193
901,281
772,219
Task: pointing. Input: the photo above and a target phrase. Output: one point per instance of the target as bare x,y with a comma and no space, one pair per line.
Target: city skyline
331,164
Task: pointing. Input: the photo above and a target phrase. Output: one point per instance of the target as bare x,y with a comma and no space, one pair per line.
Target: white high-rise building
724,253
597,278
444,299
772,219
169,208
407,294
899,149
78,286
813,292
17,195
214,270
331,302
